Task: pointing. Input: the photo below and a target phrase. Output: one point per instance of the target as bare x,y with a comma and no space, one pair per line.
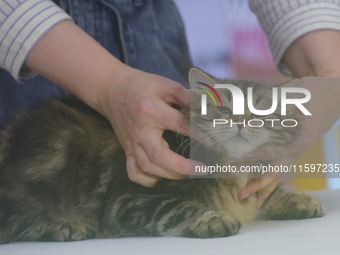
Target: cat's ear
196,75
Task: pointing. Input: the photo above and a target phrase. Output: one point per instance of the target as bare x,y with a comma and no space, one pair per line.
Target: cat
63,177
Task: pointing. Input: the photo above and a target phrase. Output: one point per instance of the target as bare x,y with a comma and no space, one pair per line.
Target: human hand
139,108
136,103
265,185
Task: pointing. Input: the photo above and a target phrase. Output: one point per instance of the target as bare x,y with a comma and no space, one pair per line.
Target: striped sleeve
286,20
22,25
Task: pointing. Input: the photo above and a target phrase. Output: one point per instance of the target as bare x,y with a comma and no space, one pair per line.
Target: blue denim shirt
145,34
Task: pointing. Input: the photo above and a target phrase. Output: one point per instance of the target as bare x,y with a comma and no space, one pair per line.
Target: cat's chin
238,147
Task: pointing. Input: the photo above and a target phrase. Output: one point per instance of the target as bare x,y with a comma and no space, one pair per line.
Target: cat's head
225,135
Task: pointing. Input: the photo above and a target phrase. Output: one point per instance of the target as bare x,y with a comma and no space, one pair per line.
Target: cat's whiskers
201,139
189,144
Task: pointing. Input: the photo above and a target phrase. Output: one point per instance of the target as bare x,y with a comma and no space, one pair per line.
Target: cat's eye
224,109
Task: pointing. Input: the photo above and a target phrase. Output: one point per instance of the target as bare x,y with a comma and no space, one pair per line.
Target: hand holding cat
136,103
265,185
140,110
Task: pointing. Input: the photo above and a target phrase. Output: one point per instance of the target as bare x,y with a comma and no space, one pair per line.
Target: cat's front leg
163,215
208,223
282,205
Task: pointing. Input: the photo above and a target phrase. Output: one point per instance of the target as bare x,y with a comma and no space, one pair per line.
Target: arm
305,39
136,103
288,25
21,25
315,54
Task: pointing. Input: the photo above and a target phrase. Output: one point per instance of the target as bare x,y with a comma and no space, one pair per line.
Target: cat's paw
304,206
296,206
71,232
214,224
53,231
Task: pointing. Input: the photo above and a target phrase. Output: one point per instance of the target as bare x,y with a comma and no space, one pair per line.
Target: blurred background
226,40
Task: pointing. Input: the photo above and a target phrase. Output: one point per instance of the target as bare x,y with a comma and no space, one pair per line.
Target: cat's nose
240,126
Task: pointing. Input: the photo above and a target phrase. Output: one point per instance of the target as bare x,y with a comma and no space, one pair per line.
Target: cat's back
55,160
46,138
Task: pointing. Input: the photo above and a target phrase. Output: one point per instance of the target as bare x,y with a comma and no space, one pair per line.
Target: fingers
172,119
179,94
266,192
159,164
158,114
142,170
136,175
152,158
255,186
140,125
265,185
163,164
159,154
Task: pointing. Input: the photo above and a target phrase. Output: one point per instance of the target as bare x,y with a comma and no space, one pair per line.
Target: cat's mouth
239,138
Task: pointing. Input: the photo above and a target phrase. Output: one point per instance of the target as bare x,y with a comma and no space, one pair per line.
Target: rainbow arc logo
211,91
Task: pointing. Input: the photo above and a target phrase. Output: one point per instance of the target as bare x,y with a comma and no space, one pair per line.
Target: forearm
298,33
324,104
315,54
318,54
70,58
22,24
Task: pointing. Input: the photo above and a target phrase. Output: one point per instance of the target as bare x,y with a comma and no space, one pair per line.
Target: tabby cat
63,177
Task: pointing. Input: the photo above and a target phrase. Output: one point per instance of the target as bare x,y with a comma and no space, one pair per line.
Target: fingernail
244,195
